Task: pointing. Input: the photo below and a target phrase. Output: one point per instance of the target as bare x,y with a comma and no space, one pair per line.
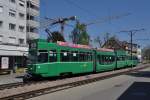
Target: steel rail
10,85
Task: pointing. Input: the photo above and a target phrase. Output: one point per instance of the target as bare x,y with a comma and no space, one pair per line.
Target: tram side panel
105,61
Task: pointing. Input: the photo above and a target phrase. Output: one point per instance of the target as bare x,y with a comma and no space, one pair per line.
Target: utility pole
132,32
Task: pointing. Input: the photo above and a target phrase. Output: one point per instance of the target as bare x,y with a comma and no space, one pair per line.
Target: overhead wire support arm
47,24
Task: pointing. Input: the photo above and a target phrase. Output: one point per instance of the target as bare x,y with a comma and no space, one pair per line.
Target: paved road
134,86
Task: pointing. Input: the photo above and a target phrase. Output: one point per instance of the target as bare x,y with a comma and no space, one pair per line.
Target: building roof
114,43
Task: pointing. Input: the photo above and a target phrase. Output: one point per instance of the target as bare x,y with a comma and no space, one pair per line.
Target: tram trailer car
55,59
121,61
132,61
135,61
105,60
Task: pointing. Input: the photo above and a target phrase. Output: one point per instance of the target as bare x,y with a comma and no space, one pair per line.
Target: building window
12,1
21,41
21,15
12,13
1,37
1,9
1,24
30,5
21,3
12,40
12,26
32,29
21,28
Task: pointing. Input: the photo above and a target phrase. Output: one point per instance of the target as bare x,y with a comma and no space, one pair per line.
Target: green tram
55,59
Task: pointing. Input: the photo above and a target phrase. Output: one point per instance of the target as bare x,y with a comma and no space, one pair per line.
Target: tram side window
135,58
83,56
65,56
52,56
120,58
127,58
106,59
42,56
111,58
74,56
123,58
99,59
130,58
89,56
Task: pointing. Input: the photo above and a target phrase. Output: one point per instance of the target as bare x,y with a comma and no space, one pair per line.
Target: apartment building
18,24
32,19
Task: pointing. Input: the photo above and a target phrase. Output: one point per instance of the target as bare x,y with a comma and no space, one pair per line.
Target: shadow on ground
144,74
137,91
21,76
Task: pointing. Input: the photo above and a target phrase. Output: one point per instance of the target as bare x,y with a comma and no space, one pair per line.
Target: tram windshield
32,58
42,56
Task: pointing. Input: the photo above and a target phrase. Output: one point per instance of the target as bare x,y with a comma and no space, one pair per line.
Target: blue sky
90,10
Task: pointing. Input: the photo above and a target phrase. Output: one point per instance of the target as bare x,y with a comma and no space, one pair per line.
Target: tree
106,37
56,36
84,38
109,38
113,43
75,33
79,34
114,37
146,53
99,41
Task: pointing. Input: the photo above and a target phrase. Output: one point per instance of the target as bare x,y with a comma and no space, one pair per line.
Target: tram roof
71,45
60,43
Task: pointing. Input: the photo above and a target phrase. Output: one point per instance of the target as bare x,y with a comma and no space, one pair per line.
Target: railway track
10,85
20,84
31,94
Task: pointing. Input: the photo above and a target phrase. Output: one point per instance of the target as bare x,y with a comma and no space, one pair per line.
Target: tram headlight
38,67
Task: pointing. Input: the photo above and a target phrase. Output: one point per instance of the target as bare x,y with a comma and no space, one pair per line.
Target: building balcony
33,12
33,23
34,2
32,35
